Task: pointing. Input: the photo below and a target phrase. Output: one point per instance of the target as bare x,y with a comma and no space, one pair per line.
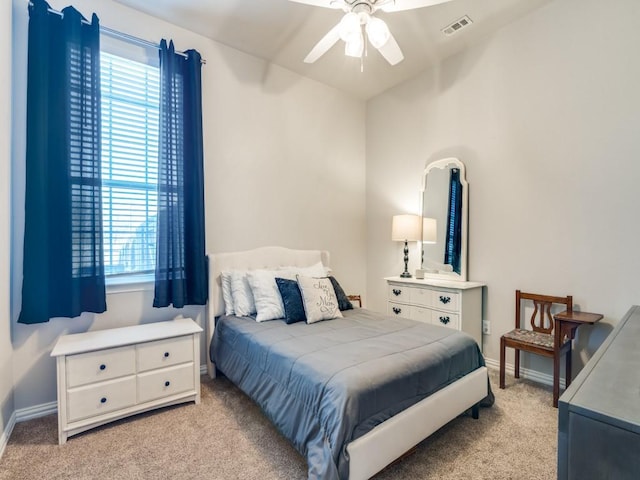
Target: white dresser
110,374
452,304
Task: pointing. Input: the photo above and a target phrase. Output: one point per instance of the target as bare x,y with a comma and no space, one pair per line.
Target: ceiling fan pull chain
365,53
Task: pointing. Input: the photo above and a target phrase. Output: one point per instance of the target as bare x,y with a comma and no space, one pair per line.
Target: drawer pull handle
167,383
445,300
166,354
396,310
445,320
103,400
396,291
103,366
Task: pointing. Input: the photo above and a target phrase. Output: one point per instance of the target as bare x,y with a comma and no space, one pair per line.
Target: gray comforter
328,383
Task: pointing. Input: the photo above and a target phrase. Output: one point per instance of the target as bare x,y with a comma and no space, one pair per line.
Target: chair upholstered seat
543,340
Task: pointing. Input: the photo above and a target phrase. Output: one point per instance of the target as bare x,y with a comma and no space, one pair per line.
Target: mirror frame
444,164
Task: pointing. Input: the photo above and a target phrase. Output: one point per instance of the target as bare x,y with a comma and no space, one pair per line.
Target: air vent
458,25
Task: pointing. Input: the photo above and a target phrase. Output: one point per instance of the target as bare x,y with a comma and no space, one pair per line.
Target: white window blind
130,112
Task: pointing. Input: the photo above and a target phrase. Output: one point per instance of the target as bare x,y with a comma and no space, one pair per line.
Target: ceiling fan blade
325,43
391,51
400,5
322,3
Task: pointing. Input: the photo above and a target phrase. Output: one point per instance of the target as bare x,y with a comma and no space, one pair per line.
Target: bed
351,394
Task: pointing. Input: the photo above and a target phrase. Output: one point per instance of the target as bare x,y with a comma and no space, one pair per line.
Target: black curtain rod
124,36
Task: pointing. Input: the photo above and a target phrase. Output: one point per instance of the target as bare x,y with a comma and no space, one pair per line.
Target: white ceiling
283,32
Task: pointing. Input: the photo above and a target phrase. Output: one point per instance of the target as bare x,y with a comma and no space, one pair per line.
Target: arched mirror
445,198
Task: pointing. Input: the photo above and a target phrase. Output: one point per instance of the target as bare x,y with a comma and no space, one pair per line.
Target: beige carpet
227,437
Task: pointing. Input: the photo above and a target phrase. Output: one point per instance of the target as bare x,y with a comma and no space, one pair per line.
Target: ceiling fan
359,16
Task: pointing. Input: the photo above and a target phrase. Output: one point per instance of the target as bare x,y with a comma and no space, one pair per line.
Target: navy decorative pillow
343,300
292,300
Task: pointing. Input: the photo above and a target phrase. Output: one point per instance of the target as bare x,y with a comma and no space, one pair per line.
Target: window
130,112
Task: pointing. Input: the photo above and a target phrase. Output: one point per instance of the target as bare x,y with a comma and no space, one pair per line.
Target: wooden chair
355,298
540,339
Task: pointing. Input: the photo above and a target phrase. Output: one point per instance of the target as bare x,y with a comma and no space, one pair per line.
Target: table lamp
406,228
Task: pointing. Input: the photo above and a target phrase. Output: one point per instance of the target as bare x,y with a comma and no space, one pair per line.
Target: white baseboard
4,438
527,373
37,411
203,369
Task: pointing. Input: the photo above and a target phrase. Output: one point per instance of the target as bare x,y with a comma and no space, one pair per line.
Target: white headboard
263,257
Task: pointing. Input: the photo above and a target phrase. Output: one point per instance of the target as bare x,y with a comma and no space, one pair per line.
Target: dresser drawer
164,353
446,300
445,319
422,296
421,314
101,365
101,398
398,293
165,382
399,309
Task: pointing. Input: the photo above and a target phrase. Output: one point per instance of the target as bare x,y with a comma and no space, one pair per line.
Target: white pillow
225,281
265,292
243,303
319,299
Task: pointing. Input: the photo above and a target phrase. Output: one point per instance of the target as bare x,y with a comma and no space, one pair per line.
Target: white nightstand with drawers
110,374
452,304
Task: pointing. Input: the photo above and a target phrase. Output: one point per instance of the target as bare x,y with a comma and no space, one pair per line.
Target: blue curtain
63,270
453,245
181,270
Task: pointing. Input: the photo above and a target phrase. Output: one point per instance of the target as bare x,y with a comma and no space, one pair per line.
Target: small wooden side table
566,324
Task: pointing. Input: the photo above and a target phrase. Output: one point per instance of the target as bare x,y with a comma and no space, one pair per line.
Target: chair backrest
541,319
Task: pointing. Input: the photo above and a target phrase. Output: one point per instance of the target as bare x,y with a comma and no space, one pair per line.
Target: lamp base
406,273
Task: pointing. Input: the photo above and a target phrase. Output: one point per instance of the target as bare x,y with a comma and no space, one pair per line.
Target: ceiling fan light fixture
377,32
357,21
355,46
350,27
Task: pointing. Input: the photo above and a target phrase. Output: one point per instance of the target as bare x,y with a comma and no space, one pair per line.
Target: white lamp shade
378,32
355,46
429,230
406,228
350,27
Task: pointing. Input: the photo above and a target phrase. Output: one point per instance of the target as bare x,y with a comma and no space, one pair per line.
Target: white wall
545,115
284,165
6,351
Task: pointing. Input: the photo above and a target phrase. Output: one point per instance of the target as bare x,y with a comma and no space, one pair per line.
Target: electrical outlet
486,327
